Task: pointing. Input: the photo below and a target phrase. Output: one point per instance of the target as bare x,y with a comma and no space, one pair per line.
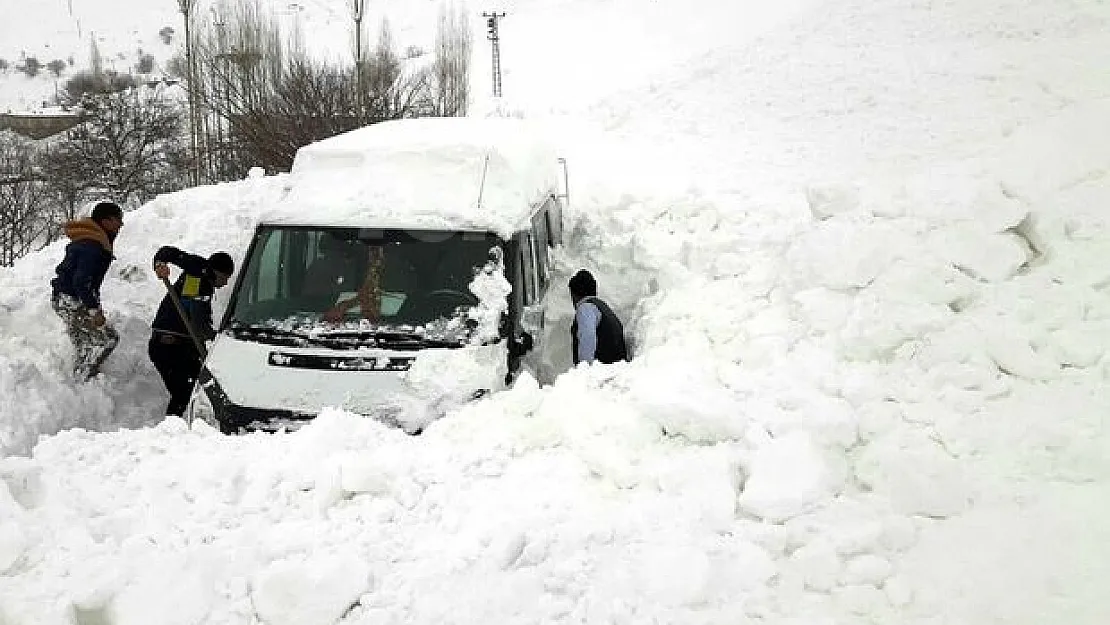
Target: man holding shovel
184,319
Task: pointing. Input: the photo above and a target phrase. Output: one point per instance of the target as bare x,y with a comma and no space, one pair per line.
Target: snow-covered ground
863,251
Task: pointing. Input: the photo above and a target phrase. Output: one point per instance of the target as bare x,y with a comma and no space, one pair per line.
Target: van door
532,318
527,295
552,342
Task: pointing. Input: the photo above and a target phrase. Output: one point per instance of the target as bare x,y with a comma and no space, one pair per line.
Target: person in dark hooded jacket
76,287
171,349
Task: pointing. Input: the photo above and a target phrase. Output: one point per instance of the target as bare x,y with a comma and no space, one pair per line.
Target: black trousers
178,362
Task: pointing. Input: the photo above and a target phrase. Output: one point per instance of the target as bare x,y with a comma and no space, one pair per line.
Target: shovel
185,318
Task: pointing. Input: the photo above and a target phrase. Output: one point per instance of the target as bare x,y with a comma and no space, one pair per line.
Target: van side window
528,266
270,280
542,241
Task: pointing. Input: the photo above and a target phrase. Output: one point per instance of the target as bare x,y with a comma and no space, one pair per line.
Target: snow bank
35,353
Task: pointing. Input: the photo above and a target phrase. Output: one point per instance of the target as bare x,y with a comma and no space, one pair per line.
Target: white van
404,272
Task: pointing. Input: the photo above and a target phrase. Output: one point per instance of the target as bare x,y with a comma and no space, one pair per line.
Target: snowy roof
421,173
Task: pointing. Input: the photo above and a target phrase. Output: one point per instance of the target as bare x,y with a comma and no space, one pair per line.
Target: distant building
40,125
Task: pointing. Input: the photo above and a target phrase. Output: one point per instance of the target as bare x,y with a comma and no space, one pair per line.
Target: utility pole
494,37
218,155
186,7
358,11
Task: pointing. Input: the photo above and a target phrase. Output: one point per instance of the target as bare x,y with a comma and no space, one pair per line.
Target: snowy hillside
863,251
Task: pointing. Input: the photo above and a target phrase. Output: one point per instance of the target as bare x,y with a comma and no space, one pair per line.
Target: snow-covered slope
863,253
65,30
126,30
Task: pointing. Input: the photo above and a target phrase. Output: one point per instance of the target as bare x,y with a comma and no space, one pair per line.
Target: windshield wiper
271,331
388,339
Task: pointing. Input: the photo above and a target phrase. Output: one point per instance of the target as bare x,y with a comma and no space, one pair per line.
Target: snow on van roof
421,173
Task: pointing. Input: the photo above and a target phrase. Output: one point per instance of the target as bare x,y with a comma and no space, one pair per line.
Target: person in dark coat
597,333
75,289
171,349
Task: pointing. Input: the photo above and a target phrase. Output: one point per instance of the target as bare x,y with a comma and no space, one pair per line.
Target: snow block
170,592
693,586
861,599
688,401
898,591
877,326
13,543
868,569
9,506
1078,346
1016,356
918,476
846,252
984,255
1068,152
818,565
789,476
827,201
317,590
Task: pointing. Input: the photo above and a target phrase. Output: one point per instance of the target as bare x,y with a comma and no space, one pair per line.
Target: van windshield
344,277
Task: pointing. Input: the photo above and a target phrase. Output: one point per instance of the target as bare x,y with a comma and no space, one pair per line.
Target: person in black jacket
597,333
171,349
76,287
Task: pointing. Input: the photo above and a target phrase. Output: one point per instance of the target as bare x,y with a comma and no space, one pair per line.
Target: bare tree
84,84
451,70
96,61
377,77
130,146
67,178
56,67
264,96
393,90
30,66
240,60
311,102
145,64
25,223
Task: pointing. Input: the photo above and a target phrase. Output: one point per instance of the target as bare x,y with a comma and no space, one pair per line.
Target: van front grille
340,363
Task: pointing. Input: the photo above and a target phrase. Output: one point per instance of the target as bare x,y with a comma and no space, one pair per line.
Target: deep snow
862,251
442,173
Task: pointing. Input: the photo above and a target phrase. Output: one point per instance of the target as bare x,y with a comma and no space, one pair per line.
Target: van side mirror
521,345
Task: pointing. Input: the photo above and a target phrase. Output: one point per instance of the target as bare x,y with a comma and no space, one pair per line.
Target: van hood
410,388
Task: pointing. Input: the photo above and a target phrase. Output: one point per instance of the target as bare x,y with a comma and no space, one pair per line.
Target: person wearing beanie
171,349
75,288
597,333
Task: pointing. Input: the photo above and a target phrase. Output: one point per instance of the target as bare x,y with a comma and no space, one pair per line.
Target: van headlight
200,407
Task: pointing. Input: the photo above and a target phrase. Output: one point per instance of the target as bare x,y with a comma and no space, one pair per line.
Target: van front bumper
211,404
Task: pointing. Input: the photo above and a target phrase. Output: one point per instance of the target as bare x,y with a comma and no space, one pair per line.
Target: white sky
860,248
